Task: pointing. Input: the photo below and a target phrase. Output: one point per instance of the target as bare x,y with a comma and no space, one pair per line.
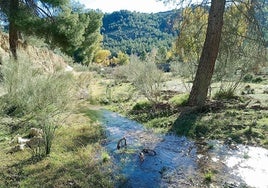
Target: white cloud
148,6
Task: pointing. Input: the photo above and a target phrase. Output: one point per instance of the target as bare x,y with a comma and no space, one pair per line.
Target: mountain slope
135,33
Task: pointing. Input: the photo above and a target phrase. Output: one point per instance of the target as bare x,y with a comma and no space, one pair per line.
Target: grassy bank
51,101
243,119
76,158
246,126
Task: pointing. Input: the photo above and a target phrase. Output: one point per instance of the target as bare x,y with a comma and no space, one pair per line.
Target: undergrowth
222,119
76,159
241,125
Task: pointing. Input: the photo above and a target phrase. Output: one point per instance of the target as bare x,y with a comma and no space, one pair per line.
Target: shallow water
179,162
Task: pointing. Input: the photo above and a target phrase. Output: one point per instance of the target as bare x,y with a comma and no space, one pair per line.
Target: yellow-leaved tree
102,57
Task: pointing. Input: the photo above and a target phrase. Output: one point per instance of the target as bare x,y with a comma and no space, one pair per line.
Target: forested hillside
136,33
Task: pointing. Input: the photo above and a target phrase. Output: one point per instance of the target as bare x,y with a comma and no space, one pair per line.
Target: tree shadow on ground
184,124
189,121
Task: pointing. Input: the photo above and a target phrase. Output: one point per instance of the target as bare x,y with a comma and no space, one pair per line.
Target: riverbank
241,118
77,157
177,161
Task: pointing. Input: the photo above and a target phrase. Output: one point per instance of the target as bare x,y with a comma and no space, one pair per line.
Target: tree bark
13,32
209,54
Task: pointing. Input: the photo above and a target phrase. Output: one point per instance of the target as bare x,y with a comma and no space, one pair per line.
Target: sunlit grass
75,161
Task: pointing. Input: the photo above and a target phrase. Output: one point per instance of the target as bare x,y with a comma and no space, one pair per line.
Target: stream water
178,162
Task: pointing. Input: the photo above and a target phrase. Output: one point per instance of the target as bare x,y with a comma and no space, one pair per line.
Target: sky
108,6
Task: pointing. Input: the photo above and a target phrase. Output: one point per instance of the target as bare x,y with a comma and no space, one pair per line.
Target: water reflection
180,162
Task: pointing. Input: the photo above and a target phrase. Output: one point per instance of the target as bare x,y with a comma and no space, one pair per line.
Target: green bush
142,105
145,76
251,78
38,95
179,100
248,78
257,80
225,94
31,91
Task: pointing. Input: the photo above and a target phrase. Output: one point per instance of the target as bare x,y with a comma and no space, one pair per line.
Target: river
175,161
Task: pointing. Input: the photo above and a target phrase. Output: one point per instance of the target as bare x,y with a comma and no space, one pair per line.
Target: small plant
163,170
248,78
208,176
105,157
49,133
246,156
210,146
225,94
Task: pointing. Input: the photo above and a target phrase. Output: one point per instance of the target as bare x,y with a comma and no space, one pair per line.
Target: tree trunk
13,32
209,54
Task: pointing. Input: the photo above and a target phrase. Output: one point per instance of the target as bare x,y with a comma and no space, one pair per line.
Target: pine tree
20,12
75,30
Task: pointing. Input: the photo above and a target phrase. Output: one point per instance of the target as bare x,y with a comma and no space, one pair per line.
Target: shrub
30,91
257,80
248,78
146,78
49,133
39,95
142,105
225,94
184,70
251,78
120,74
179,100
105,157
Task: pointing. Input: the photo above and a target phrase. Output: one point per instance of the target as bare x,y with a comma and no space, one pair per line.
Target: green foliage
146,77
137,33
36,95
121,59
239,54
142,105
75,159
158,116
49,134
257,79
160,123
94,115
251,78
92,38
179,100
227,94
74,30
105,157
102,57
192,34
208,176
76,33
185,124
183,70
31,92
248,78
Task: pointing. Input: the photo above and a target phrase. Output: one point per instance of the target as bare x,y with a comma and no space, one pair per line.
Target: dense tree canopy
75,30
138,33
